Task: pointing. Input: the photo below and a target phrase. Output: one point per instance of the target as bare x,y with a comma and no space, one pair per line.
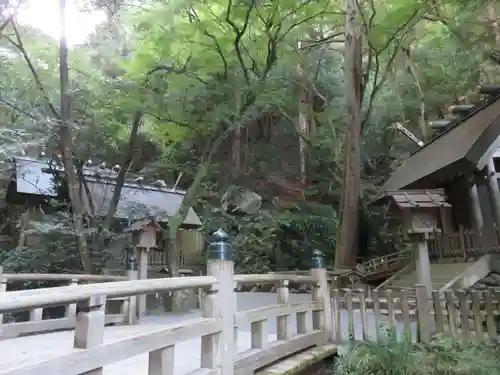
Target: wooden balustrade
36,322
216,327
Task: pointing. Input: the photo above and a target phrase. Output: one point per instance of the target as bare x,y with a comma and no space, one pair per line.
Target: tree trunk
303,125
236,151
347,233
66,146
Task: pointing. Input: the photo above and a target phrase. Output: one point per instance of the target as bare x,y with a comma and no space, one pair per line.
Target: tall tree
351,182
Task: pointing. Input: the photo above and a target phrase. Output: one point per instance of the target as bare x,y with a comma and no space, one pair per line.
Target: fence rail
466,316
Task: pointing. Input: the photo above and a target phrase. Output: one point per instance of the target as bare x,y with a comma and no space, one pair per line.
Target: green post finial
220,248
318,260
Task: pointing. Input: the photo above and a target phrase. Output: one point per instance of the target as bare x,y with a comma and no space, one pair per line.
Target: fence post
130,309
89,330
219,349
321,293
423,314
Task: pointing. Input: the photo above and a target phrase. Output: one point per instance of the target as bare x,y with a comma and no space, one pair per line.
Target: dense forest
293,102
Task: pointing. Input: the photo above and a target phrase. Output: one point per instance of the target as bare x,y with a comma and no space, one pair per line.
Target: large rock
239,200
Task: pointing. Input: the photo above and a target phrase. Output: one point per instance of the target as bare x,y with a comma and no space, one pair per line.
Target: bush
442,357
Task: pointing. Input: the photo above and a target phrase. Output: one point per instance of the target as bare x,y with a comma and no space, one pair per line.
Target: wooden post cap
220,248
318,260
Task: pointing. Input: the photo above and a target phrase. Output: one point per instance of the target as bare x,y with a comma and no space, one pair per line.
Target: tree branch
20,46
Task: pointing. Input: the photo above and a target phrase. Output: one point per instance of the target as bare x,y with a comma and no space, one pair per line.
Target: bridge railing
218,326
38,321
387,262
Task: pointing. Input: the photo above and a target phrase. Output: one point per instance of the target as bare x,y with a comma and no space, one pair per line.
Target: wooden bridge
232,333
220,339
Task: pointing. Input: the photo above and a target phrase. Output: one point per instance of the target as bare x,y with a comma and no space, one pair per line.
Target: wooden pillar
423,315
142,274
321,293
130,309
219,349
89,329
144,240
477,217
424,266
494,191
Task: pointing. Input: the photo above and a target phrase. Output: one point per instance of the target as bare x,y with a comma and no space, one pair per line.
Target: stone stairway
441,274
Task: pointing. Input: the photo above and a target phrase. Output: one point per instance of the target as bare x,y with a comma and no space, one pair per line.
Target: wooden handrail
59,277
47,297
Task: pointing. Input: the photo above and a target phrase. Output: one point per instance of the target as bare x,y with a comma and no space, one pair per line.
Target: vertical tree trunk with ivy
303,123
347,233
66,147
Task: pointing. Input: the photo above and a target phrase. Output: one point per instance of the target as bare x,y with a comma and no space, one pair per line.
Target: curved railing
217,327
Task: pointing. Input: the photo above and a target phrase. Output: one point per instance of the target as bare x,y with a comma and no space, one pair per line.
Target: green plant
443,356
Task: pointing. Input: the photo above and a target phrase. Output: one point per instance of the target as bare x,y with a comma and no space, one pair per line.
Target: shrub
443,356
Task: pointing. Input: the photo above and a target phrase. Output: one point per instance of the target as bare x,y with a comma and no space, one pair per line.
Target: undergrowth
443,356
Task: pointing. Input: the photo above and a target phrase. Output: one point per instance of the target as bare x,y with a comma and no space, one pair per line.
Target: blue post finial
318,260
220,248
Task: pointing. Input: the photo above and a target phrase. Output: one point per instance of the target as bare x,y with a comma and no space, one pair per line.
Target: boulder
238,200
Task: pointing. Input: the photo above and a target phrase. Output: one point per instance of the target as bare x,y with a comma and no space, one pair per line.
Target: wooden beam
462,109
490,89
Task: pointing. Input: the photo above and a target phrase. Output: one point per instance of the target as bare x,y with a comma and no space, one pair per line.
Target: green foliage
444,356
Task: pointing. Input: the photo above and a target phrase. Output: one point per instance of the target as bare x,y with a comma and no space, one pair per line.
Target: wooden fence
465,244
409,314
217,327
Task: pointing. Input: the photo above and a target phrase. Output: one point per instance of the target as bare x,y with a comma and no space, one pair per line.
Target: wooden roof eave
484,148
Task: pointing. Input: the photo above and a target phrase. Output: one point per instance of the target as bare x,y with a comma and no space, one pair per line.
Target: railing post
142,256
322,319
71,308
219,349
89,330
283,329
130,308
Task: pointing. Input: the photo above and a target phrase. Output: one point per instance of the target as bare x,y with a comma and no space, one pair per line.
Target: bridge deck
22,351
